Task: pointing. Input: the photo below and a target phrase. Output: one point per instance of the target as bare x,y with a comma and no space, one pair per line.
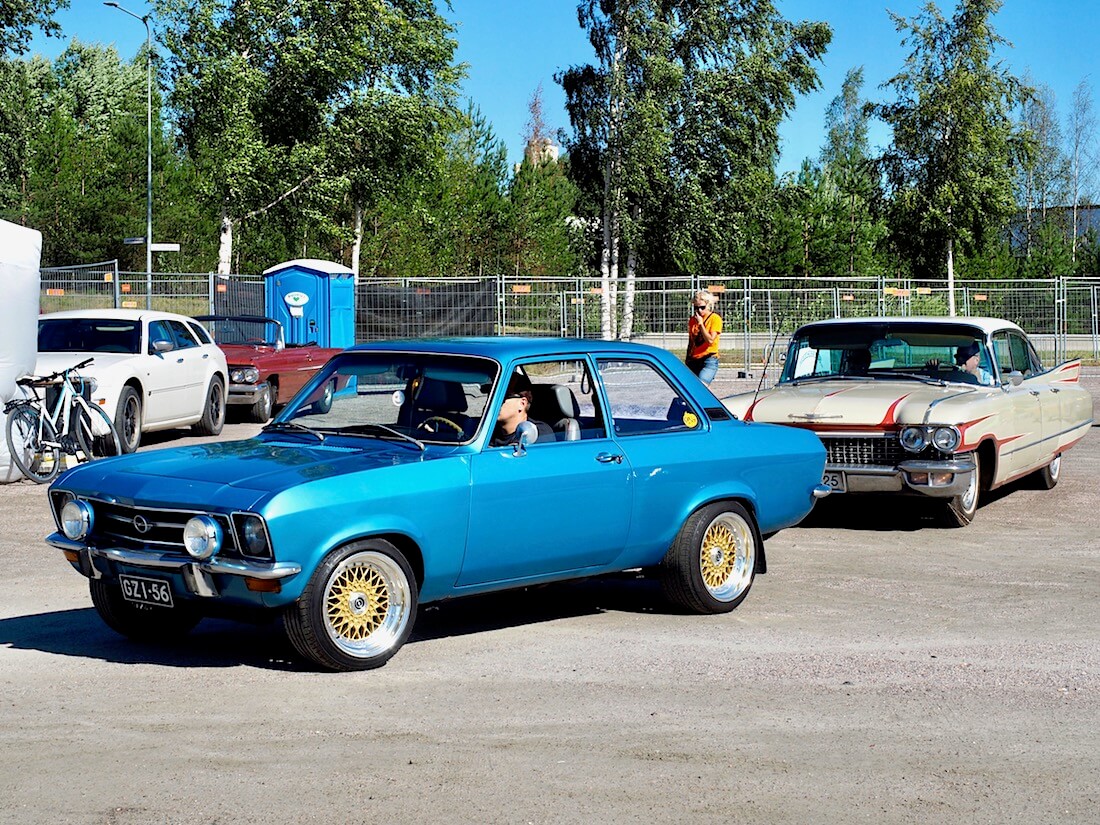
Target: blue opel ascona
377,489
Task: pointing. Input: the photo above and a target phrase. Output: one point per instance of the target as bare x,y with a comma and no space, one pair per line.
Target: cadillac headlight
913,439
946,439
244,375
76,519
202,537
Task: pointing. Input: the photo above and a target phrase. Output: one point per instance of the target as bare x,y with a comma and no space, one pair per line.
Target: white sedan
152,370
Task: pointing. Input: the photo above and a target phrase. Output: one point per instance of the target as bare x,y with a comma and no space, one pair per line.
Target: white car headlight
77,519
913,439
202,537
946,439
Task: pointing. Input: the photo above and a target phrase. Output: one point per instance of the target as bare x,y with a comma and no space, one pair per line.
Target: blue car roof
504,348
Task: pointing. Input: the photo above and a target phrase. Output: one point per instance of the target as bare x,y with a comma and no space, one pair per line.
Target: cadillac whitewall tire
960,510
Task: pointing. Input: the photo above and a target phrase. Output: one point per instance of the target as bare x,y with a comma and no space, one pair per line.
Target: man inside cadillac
968,360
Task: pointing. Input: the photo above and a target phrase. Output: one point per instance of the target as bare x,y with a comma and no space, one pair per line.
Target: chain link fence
1061,315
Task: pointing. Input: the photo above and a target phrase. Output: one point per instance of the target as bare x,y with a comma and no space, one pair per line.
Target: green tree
675,130
19,18
271,99
949,164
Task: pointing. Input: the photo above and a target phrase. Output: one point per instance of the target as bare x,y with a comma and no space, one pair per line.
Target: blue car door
562,505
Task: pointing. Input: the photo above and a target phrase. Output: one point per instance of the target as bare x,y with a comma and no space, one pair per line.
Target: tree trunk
951,277
225,245
357,239
626,329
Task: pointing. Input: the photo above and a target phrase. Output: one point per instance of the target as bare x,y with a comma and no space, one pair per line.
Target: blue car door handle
608,458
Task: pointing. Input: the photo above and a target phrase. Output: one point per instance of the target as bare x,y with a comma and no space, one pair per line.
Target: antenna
768,360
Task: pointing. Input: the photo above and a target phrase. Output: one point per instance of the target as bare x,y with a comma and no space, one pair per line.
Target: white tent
20,259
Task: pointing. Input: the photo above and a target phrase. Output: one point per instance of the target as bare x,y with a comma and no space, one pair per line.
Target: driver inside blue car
514,411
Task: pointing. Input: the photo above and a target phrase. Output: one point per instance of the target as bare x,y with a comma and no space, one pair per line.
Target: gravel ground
884,670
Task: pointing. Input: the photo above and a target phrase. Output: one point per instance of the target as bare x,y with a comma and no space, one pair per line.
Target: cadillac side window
642,401
564,397
1013,354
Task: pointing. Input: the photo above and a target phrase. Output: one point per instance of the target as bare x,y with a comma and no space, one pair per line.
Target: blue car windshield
434,398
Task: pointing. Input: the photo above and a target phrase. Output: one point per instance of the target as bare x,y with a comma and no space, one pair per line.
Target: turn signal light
262,585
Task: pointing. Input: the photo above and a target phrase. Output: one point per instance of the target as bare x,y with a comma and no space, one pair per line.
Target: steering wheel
423,425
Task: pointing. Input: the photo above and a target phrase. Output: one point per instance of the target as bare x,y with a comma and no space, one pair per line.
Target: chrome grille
864,451
148,527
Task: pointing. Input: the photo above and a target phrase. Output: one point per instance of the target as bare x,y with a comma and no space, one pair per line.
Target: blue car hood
233,473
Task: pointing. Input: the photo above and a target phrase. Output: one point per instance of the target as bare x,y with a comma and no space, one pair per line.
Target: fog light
76,519
942,479
202,537
918,478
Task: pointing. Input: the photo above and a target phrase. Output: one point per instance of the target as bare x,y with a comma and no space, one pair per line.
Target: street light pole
148,151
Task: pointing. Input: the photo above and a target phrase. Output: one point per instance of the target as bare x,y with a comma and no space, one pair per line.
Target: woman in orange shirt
704,329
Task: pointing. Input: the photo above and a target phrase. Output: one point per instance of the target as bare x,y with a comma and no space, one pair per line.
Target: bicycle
40,430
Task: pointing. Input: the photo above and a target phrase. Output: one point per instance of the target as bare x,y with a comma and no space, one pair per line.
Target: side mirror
161,345
1015,378
528,434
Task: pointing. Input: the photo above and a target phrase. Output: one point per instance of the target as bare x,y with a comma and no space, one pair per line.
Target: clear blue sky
512,46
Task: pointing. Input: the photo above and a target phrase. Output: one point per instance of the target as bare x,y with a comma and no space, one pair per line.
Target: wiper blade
914,376
372,429
282,426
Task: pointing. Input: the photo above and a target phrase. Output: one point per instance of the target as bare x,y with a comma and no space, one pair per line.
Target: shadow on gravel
893,513
219,643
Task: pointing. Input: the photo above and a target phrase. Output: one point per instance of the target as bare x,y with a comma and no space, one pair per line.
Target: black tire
36,459
1046,478
323,404
260,412
96,434
960,510
213,411
128,420
138,622
711,564
357,610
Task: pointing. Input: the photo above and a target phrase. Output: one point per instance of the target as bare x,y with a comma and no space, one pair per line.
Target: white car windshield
89,335
859,351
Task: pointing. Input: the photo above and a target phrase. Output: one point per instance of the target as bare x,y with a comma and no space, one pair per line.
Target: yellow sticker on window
690,420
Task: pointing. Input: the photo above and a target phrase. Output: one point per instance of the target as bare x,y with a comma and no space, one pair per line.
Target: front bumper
245,393
197,576
936,479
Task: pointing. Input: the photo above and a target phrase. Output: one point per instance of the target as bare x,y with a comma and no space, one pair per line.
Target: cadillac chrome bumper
938,479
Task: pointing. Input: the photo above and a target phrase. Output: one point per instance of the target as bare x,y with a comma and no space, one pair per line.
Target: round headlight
255,536
244,375
945,439
202,537
913,439
76,519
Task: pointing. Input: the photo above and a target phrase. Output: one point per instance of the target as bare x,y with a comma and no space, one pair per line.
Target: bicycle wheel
95,433
37,456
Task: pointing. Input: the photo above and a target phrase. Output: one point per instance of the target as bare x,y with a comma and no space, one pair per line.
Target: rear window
88,335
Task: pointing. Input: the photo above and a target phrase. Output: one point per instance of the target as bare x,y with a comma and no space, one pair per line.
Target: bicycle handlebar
42,380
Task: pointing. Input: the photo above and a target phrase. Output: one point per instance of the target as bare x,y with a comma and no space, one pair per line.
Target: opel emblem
141,524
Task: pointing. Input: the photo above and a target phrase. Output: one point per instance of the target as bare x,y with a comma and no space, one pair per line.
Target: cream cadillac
941,407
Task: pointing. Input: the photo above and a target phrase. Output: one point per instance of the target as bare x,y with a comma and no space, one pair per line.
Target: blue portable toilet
314,300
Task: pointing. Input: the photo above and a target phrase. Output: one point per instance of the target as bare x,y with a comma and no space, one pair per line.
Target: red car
264,371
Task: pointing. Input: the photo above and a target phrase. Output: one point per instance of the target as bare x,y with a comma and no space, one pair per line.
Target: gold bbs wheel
358,608
366,604
726,556
711,564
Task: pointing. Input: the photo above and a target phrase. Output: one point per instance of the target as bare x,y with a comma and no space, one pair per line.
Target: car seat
557,406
